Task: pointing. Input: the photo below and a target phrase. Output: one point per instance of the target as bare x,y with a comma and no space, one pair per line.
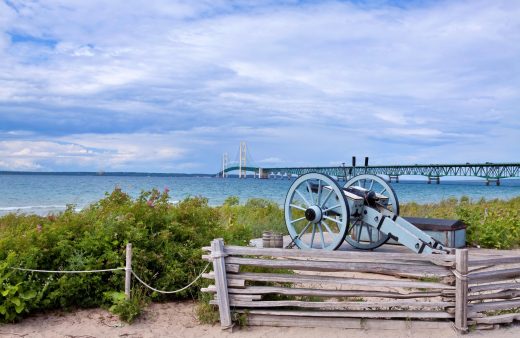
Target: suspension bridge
491,172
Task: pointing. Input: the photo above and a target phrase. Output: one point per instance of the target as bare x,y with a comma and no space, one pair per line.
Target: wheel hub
313,214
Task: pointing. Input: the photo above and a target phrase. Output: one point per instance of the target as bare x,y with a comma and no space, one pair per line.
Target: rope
64,271
175,291
460,276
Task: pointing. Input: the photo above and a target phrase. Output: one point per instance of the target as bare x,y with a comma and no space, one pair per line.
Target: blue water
42,194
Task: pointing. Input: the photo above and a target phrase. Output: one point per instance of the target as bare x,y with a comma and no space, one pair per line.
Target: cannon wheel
359,228
317,214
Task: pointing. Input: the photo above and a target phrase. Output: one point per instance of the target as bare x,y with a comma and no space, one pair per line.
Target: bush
167,241
490,224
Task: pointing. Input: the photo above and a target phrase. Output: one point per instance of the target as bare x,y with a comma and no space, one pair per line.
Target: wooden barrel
277,240
267,237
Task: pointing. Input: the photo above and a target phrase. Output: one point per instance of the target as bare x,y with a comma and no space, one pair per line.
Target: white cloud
153,82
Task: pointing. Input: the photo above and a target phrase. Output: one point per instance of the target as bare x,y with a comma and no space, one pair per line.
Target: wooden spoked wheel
317,214
383,198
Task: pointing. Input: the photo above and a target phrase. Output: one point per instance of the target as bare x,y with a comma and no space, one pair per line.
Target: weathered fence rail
350,289
494,288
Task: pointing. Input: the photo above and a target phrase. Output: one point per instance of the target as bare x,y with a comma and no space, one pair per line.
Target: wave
28,207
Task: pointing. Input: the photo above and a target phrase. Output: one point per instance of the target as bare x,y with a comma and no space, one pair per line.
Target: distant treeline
112,173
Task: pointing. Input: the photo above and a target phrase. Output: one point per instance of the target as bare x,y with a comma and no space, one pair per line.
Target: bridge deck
487,170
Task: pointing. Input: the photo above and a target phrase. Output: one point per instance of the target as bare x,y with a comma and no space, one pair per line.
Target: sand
178,319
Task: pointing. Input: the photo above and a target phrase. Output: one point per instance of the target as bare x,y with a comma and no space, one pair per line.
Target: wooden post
461,290
128,270
219,268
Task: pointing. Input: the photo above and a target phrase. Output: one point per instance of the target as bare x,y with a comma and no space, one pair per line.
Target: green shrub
167,241
127,309
15,299
490,223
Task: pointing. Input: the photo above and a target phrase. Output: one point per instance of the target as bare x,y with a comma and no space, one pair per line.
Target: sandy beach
178,319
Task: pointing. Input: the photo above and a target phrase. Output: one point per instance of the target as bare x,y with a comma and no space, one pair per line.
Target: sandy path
179,320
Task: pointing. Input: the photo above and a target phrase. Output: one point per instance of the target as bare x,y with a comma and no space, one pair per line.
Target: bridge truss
490,171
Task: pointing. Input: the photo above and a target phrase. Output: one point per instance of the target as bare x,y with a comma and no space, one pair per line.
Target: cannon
322,214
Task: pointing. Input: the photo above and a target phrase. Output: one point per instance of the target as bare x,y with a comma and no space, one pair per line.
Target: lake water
41,194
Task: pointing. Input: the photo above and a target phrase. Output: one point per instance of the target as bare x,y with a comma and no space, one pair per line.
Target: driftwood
494,286
355,314
388,268
286,278
508,294
264,290
332,305
495,275
494,261
498,305
461,291
482,284
499,319
344,323
219,266
354,256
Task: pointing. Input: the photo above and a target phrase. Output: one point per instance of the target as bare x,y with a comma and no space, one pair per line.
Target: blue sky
168,86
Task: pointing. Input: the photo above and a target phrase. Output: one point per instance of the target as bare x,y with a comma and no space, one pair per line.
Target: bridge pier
491,180
262,174
393,177
437,179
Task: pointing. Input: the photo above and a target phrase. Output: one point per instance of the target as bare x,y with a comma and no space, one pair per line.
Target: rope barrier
128,269
70,271
169,292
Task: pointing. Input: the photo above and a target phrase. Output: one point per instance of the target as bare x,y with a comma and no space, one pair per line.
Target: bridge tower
242,160
225,163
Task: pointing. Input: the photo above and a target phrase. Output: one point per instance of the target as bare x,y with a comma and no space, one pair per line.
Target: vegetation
490,224
167,241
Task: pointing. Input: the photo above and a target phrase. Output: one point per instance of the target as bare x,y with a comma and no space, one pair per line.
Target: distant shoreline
109,173
446,179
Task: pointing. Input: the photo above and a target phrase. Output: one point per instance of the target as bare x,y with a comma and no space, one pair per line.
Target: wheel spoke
359,230
319,193
371,185
332,219
381,193
322,237
313,233
326,198
310,191
297,207
334,207
329,230
303,231
304,199
297,220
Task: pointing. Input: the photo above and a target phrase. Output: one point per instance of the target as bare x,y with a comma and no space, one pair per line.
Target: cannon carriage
322,214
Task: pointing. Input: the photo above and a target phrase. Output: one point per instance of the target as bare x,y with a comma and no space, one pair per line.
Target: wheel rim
317,215
363,236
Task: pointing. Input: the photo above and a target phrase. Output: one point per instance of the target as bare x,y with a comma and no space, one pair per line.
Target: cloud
150,85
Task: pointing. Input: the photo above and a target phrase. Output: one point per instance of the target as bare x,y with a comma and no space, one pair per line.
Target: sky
169,86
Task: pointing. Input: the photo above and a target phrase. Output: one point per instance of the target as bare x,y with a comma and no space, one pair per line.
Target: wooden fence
353,289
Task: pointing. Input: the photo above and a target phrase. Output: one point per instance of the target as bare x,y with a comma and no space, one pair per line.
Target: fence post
128,270
219,268
461,290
